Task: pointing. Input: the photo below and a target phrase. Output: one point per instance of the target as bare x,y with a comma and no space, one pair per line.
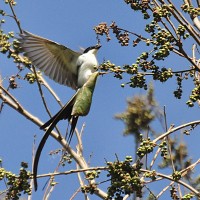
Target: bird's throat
83,76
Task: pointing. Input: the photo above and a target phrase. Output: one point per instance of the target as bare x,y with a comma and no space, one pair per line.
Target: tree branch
79,160
176,129
169,177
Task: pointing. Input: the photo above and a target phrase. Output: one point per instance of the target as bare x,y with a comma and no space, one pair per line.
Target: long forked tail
64,113
74,121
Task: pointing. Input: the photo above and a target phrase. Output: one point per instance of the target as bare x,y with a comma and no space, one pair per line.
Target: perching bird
66,67
60,63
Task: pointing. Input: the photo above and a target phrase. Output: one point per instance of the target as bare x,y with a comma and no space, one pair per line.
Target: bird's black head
98,46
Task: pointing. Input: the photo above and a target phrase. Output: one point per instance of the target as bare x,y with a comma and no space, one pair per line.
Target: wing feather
55,60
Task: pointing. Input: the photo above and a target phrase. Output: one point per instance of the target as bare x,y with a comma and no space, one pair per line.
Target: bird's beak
98,46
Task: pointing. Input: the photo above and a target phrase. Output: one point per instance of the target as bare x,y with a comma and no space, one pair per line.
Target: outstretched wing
55,60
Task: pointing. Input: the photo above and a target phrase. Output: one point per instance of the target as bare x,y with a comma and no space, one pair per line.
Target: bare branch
169,177
176,129
79,160
73,171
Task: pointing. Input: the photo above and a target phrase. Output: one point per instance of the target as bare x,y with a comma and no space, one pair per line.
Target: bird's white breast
88,64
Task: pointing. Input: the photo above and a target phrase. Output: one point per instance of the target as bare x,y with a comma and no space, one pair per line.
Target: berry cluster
92,175
173,193
146,147
101,29
194,12
163,147
137,5
195,94
151,175
160,12
4,41
188,196
138,80
31,77
125,179
12,82
16,184
122,37
91,188
176,175
12,2
163,74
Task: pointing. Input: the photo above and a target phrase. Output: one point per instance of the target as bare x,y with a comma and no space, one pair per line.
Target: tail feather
64,113
73,126
51,120
38,153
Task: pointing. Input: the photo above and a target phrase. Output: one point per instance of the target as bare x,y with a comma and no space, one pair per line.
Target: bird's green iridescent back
84,97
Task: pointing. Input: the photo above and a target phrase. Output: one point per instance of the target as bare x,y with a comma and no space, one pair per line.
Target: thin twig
42,96
33,157
75,193
164,190
154,158
15,17
189,168
186,24
176,129
40,90
11,97
198,3
81,181
168,139
51,90
73,171
193,18
169,177
79,146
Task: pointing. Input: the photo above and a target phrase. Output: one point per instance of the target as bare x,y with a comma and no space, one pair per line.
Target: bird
57,61
66,67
